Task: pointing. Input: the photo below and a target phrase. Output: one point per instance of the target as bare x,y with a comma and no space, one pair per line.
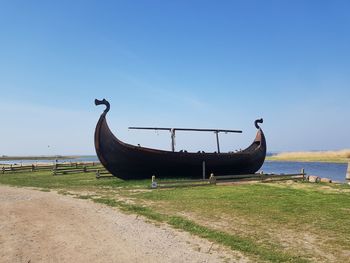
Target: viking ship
128,161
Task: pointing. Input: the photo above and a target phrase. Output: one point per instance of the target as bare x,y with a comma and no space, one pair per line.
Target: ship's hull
134,162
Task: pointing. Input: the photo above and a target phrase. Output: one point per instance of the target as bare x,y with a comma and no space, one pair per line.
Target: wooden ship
129,162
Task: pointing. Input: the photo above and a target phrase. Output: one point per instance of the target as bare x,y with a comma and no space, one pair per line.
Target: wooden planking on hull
128,161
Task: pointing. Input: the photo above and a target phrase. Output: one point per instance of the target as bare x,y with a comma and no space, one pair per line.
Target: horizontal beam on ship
172,131
183,129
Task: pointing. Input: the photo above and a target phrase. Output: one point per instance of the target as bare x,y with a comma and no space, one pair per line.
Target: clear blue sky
205,64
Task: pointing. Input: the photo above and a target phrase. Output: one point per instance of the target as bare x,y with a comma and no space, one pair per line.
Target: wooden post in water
348,172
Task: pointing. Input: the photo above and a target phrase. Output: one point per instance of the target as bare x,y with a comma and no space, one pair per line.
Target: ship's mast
172,133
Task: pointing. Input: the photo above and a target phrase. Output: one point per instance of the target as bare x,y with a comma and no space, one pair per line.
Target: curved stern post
98,130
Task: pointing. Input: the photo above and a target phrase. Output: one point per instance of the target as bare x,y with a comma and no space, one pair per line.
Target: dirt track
40,226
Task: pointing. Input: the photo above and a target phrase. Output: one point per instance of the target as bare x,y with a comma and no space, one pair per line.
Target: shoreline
339,156
43,157
342,156
274,159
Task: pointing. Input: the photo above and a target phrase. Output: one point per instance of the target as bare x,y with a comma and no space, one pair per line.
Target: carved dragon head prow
258,121
104,102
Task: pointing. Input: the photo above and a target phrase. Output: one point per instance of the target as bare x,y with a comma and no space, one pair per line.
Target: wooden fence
180,183
262,177
59,167
24,168
76,168
103,173
227,179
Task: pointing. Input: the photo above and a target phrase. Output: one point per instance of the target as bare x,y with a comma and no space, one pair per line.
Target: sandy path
40,226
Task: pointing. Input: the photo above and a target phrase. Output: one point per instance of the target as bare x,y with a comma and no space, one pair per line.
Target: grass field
280,222
342,156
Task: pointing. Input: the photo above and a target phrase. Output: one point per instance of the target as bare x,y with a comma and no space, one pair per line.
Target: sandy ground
40,226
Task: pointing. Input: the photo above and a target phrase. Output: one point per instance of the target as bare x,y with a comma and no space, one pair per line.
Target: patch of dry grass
320,156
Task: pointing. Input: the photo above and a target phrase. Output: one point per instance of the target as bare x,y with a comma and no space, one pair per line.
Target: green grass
264,212
280,205
279,222
45,179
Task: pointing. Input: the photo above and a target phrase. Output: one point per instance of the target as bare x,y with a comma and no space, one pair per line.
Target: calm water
334,171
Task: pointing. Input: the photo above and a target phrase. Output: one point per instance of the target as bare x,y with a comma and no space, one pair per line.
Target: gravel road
38,226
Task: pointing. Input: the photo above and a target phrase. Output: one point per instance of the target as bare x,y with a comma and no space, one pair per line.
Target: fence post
262,176
203,169
348,173
3,169
33,167
212,179
97,173
154,183
303,173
